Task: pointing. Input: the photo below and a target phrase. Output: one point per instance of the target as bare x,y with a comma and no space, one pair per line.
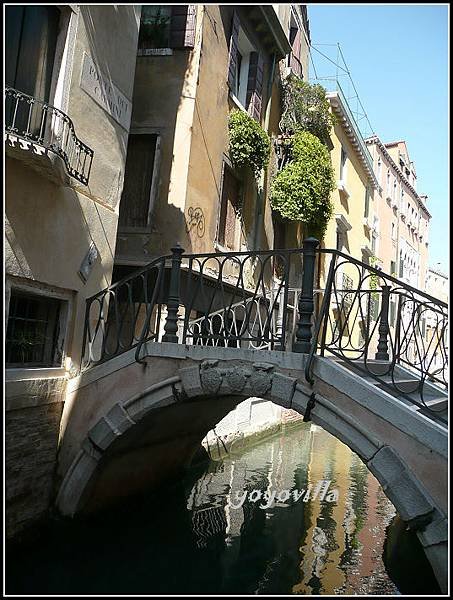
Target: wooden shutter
138,176
228,218
296,44
233,59
255,85
182,29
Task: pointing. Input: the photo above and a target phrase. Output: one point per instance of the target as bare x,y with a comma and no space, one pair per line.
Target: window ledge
219,248
155,52
21,373
237,102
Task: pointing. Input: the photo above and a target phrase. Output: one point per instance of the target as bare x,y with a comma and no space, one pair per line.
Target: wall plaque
105,92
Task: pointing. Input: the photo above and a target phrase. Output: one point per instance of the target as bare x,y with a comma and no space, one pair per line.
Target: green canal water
250,524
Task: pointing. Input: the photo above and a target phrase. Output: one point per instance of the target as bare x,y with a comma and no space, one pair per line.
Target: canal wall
249,423
33,410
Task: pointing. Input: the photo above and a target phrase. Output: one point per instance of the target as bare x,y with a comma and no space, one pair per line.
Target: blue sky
398,58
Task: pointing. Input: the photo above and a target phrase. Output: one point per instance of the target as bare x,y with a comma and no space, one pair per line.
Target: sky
397,55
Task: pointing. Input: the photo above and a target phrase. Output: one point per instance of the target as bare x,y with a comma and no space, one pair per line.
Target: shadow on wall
106,55
154,451
160,87
49,232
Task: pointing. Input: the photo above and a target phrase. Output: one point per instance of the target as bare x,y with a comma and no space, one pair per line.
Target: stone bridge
129,425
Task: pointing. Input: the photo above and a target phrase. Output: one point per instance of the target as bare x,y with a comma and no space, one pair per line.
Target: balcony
33,129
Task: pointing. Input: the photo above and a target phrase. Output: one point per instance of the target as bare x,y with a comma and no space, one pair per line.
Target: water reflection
189,539
301,547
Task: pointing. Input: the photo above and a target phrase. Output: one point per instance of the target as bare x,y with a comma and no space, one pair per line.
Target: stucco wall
51,223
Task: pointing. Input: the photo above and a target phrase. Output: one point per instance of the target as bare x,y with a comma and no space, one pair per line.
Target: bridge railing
233,299
304,300
383,328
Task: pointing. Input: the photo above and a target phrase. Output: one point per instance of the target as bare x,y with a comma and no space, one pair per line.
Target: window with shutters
229,210
295,39
135,205
245,70
166,27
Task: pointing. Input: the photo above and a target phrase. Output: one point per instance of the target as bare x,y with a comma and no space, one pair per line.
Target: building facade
402,213
187,82
114,152
67,112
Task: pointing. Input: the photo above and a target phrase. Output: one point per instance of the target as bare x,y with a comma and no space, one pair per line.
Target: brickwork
32,428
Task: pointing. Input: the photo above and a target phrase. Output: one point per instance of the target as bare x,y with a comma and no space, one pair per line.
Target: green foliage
301,190
250,145
306,108
374,279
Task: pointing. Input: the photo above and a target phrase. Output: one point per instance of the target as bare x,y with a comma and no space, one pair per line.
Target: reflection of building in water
342,553
304,547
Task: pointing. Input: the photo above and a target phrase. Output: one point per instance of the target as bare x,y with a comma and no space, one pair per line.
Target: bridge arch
201,391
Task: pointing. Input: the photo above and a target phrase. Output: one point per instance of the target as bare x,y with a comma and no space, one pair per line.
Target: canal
298,513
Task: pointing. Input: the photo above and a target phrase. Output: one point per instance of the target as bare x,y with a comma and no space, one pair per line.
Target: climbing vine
305,108
301,190
250,145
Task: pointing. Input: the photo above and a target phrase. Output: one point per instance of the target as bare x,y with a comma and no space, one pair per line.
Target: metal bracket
310,404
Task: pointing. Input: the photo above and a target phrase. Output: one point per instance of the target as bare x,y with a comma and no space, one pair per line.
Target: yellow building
353,229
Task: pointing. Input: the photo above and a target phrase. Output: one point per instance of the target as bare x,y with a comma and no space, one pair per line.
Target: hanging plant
250,145
305,108
301,190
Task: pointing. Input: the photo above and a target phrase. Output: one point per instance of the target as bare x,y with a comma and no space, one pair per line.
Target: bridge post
306,302
171,322
382,347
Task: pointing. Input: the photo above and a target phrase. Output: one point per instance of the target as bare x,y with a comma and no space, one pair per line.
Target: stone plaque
105,93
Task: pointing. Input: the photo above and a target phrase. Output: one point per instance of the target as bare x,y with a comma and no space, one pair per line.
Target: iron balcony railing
308,300
40,123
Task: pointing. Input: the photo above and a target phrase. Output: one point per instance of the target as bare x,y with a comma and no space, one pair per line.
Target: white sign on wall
105,93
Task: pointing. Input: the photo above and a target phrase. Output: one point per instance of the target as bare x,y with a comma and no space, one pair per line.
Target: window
166,26
294,55
389,190
367,201
34,332
230,203
373,243
138,177
379,169
343,165
245,70
392,267
31,39
393,231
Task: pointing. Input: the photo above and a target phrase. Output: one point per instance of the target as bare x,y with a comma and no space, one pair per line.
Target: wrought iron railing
125,314
267,300
383,328
244,299
40,123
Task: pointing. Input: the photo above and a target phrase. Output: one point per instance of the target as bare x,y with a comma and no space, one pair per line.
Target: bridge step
434,398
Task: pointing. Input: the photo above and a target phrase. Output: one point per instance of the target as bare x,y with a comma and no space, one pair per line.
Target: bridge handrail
393,348
259,283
